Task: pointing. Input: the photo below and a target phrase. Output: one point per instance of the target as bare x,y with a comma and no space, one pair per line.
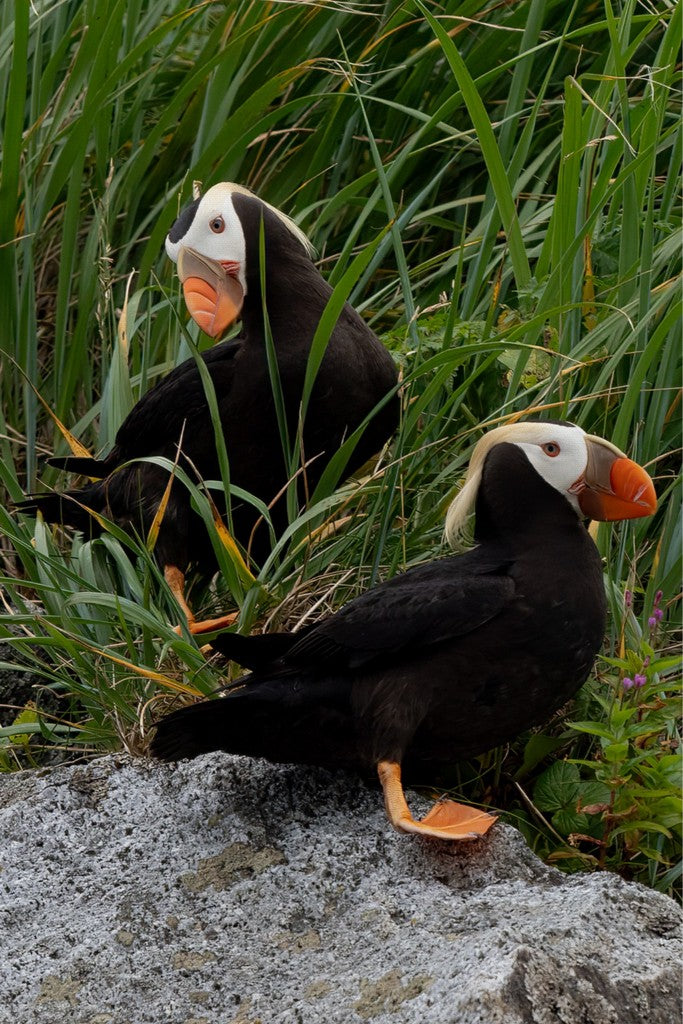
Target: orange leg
176,581
446,820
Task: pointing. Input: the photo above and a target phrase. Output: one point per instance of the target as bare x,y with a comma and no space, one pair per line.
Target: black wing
158,418
424,606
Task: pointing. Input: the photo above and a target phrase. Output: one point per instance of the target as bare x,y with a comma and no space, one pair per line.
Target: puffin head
595,477
209,246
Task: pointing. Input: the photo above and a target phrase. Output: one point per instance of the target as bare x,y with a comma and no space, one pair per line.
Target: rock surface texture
229,891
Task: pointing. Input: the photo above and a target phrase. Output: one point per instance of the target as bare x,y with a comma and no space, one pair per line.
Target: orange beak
613,487
213,297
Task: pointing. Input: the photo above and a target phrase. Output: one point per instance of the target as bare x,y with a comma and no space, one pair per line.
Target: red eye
217,225
551,448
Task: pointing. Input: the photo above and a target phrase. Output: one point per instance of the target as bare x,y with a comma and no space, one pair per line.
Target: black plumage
450,658
356,373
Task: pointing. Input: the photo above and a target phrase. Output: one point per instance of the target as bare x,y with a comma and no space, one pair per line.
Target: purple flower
628,598
658,598
652,622
646,661
658,614
639,679
627,683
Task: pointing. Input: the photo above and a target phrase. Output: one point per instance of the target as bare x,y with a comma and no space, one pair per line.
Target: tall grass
496,190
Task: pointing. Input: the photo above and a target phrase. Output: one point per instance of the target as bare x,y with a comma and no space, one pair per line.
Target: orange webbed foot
446,820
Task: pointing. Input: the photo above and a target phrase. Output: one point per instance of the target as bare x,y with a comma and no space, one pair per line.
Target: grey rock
230,891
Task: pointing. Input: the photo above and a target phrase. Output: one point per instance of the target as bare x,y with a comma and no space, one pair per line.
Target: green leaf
618,716
664,664
567,821
558,787
615,752
593,729
536,749
594,793
641,826
652,854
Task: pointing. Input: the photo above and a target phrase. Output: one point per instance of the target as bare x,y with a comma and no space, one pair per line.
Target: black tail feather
67,508
84,465
287,718
259,653
189,732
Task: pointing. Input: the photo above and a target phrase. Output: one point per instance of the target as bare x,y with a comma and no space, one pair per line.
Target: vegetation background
496,187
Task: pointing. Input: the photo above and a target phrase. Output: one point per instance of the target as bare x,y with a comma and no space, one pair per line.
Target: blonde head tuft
294,229
464,502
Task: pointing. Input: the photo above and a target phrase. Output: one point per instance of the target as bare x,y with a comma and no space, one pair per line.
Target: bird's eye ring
217,225
551,448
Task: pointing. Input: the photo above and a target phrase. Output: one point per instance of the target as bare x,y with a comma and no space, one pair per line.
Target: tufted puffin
215,244
452,657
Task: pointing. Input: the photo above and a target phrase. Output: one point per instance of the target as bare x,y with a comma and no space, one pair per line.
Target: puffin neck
294,288
289,277
515,503
296,296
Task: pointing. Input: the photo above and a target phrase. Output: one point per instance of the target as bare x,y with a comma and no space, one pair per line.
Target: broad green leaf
558,787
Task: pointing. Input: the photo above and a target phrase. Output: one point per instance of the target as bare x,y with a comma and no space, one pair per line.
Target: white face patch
557,453
216,232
